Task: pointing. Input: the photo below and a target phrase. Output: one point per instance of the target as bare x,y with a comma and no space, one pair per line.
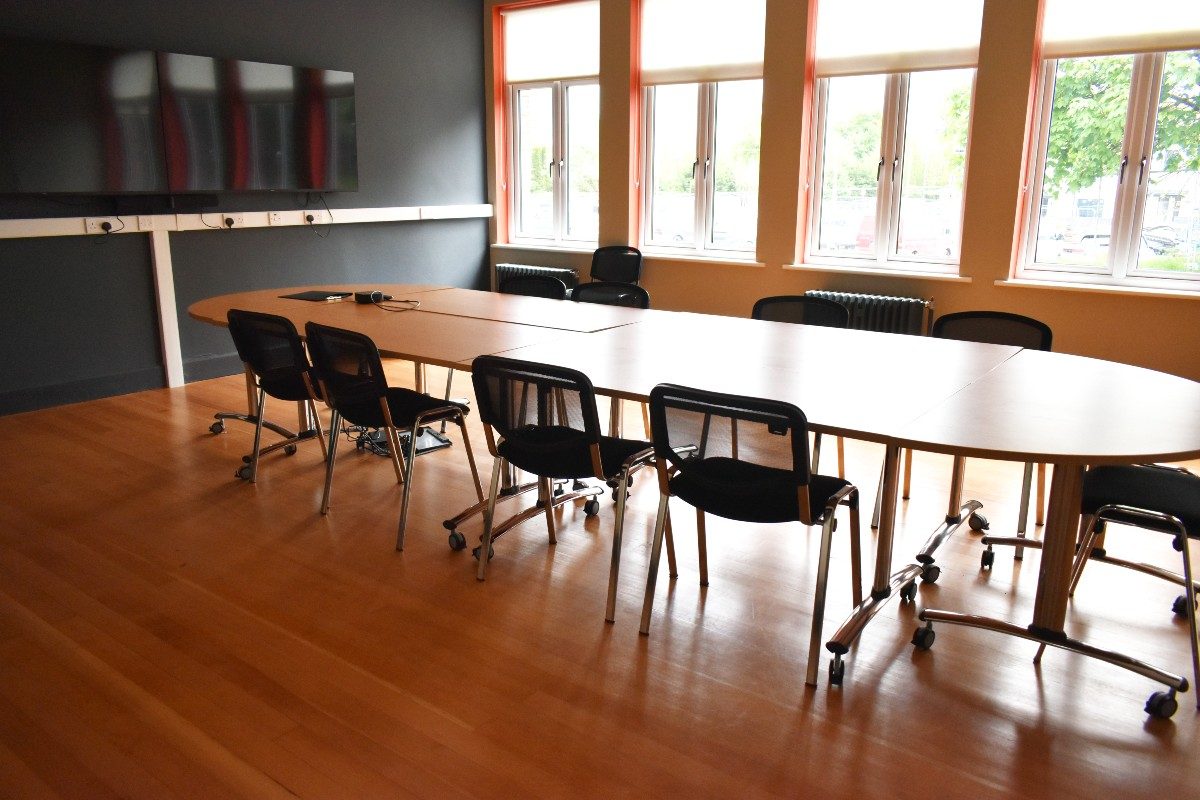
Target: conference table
959,398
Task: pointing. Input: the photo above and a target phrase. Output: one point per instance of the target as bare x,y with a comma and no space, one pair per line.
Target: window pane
935,146
583,162
853,122
1170,236
1083,160
534,136
735,165
673,185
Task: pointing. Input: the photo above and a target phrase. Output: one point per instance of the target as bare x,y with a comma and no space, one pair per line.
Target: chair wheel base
837,671
457,541
592,507
217,427
987,558
923,637
475,552
978,522
1162,705
908,592
931,573
243,472
1180,606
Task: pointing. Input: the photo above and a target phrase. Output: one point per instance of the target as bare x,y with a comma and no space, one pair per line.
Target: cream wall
1138,327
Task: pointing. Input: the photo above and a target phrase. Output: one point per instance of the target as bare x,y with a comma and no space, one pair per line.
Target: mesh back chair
997,327
534,286
617,263
350,373
746,459
276,365
612,293
1156,498
542,419
807,310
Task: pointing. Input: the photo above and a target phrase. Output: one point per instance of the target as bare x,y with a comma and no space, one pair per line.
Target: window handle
879,169
550,166
1121,174
895,161
695,164
1141,169
707,161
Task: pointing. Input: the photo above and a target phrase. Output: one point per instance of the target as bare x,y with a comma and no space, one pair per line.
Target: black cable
205,223
309,220
404,305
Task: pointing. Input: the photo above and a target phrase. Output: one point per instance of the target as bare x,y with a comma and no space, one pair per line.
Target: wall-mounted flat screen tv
94,120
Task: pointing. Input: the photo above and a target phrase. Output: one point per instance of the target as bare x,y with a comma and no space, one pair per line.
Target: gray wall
81,320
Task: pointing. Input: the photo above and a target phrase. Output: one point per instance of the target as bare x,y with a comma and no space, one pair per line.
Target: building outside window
893,108
702,76
551,64
1115,173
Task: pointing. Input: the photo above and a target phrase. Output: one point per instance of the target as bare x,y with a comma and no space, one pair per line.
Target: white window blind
874,36
1098,27
552,42
686,41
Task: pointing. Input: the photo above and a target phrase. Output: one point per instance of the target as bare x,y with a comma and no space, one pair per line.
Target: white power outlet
275,218
315,217
232,220
96,224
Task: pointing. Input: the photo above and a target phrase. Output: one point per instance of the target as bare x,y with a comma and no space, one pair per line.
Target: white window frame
1129,204
889,185
704,190
559,166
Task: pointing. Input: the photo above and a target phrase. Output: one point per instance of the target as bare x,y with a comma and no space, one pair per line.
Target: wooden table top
538,311
413,335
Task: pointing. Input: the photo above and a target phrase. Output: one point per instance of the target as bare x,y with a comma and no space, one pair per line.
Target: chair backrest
534,286
546,414
348,366
612,293
269,344
994,327
690,425
619,263
803,309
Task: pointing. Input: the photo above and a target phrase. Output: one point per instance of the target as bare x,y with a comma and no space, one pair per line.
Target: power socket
97,224
315,217
275,218
232,220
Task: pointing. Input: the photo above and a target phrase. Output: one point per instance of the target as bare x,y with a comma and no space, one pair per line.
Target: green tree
1087,126
539,169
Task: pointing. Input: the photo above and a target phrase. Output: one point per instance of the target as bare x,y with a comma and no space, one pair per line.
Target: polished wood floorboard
169,631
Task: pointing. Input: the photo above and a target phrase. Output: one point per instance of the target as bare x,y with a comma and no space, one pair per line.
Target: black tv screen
77,118
93,120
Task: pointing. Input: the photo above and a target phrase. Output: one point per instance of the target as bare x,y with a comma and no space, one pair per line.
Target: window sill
1098,288
722,260
876,271
548,247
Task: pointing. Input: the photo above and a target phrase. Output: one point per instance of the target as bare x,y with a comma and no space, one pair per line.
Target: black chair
1156,498
350,373
276,364
997,327
534,286
617,263
807,310
746,459
612,293
542,419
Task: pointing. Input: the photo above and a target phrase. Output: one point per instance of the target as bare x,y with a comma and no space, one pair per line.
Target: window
702,68
893,103
1116,171
551,59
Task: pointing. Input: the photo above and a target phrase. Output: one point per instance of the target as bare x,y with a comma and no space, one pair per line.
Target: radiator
567,276
878,312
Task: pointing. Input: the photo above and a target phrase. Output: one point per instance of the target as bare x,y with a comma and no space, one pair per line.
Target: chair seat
1163,490
556,451
405,406
287,384
750,492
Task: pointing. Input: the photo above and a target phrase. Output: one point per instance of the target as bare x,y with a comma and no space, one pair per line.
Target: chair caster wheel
475,552
978,522
217,427
908,592
289,450
987,558
837,671
1179,607
242,473
1162,705
923,637
931,573
559,491
592,507
457,541
578,485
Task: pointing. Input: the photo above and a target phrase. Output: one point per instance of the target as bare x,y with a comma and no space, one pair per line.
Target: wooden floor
169,631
